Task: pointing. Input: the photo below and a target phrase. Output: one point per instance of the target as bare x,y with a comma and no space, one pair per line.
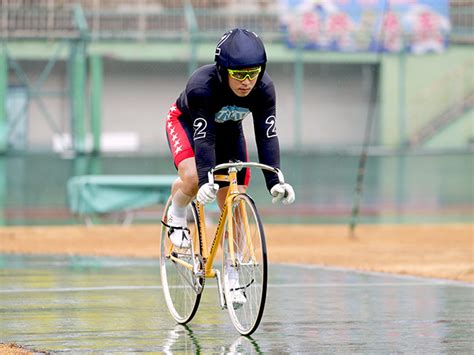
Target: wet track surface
79,304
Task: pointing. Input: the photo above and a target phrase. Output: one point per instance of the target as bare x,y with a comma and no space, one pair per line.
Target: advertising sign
417,26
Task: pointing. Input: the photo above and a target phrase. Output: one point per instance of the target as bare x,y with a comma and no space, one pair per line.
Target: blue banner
417,26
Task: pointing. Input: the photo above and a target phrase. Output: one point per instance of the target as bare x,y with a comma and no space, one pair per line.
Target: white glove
207,193
283,193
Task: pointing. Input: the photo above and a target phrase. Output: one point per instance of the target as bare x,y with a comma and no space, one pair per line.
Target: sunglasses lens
243,74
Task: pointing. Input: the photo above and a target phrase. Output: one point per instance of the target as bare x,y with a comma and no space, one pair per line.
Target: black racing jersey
208,105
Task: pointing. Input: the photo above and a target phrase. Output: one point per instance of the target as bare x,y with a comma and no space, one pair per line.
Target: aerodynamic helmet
240,48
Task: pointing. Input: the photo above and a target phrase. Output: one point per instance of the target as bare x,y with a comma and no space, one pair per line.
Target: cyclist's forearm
269,154
205,160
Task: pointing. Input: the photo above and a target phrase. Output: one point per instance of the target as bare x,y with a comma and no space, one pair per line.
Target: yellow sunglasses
241,75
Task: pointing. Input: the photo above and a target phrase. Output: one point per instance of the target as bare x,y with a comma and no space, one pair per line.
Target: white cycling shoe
237,293
178,231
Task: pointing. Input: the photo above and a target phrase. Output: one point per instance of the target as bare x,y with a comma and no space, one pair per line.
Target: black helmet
240,48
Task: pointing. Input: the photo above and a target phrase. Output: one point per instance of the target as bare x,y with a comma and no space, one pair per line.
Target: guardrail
132,22
157,20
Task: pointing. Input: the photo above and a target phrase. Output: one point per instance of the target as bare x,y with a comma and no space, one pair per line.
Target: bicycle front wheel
181,271
245,274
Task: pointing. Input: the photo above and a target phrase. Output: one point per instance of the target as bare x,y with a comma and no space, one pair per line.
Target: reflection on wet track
108,304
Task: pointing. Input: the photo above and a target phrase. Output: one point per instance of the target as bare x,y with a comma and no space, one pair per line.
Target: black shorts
230,142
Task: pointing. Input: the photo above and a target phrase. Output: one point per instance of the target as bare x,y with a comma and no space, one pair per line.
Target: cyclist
204,126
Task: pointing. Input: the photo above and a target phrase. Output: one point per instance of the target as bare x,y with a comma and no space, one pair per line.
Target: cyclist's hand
207,193
283,193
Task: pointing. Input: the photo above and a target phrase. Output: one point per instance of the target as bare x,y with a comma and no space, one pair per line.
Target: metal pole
403,138
365,146
193,62
3,130
298,82
371,113
3,190
96,72
78,69
3,101
191,23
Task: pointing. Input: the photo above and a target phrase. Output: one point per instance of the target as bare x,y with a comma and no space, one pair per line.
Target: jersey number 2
271,130
199,125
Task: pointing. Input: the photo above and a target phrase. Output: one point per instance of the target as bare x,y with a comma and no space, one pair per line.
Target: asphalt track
104,305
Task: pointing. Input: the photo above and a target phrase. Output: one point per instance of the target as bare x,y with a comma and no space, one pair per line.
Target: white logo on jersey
231,113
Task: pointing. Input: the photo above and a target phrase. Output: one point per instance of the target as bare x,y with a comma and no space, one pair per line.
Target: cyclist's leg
185,186
182,286
238,296
236,150
183,190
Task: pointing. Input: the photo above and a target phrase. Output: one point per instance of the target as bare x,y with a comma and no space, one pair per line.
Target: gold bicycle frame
208,254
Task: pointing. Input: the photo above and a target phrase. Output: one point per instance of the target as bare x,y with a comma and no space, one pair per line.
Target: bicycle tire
182,287
251,266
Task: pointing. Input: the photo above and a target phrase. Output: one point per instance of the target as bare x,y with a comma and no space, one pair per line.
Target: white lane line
294,285
80,289
421,279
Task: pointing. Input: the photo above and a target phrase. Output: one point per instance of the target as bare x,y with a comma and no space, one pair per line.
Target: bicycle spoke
188,277
245,297
182,287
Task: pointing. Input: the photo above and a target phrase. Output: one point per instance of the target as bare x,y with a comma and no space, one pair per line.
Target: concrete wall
137,95
416,89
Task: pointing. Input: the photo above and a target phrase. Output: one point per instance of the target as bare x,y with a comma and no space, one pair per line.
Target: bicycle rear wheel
181,276
249,266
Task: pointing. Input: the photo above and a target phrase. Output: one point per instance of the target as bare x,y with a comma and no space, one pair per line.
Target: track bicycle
240,234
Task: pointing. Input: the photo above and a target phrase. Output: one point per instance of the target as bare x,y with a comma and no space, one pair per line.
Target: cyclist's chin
242,92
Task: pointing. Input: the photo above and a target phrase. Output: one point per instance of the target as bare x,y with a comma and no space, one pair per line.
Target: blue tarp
97,194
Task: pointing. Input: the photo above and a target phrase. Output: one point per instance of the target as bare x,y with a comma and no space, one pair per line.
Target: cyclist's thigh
179,133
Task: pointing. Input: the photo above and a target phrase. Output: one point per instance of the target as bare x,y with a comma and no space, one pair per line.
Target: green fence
414,188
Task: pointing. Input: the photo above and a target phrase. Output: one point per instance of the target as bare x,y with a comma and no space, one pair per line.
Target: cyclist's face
242,88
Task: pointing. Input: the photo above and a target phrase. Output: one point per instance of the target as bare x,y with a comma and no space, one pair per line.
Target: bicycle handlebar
240,165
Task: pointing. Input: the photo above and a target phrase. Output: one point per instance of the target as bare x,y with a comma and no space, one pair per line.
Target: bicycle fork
219,290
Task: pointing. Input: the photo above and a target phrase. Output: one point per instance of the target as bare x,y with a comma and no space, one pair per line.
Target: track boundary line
421,279
273,285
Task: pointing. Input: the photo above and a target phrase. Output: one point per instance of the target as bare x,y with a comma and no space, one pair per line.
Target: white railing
155,19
